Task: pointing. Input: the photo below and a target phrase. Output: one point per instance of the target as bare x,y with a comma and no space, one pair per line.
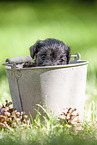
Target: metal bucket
56,87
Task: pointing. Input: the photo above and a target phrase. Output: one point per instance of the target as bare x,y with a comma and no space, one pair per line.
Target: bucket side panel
64,88
13,86
30,91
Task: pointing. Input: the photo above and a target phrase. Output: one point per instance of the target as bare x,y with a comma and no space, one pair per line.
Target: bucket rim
72,64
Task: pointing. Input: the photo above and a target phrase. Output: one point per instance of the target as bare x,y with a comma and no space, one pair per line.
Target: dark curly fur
49,52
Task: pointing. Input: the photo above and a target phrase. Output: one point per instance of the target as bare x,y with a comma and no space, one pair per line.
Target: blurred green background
73,22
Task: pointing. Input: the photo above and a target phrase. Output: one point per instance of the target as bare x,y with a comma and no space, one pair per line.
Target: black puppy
49,52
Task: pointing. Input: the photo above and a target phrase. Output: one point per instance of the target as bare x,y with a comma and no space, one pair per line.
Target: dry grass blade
45,111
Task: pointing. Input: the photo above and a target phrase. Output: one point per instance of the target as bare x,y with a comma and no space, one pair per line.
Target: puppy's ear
68,54
35,48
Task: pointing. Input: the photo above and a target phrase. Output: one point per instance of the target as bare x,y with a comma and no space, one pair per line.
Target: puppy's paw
29,64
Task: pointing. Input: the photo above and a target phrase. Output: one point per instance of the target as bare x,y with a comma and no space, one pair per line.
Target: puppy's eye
62,59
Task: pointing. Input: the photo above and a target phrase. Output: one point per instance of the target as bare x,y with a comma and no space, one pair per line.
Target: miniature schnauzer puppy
49,52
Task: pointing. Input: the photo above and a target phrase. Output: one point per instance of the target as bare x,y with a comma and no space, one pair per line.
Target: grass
52,139
21,25
50,131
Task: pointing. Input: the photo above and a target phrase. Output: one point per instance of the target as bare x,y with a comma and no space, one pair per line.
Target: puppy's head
50,52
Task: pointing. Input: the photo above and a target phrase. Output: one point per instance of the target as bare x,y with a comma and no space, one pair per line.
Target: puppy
49,52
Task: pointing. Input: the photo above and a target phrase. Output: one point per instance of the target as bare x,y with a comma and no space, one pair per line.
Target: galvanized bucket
56,87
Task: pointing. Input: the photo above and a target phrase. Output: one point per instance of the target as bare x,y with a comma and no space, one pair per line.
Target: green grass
28,137
21,25
49,130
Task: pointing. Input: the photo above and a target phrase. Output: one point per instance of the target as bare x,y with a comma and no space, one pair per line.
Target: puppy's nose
52,54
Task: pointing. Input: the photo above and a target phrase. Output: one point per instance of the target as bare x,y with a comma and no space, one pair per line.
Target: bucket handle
77,56
17,60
